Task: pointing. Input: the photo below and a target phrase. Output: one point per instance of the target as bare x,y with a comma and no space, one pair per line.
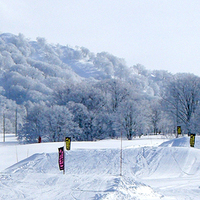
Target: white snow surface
153,167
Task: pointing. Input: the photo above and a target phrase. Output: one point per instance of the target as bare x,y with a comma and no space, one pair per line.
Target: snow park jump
154,167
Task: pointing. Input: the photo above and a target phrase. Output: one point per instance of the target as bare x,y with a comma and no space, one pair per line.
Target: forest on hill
55,91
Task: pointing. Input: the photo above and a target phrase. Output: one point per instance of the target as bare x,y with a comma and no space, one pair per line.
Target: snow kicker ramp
94,174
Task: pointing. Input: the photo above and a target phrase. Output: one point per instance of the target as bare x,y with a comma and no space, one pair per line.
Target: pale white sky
159,34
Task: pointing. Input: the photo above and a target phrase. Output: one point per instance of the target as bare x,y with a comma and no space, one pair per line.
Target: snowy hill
31,70
42,81
79,60
92,171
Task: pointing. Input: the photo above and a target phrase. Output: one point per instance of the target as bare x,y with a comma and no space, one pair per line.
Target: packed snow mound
90,174
94,174
37,163
181,142
139,162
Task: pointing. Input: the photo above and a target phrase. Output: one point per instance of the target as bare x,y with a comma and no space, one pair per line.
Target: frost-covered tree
133,116
117,91
34,123
182,98
94,124
59,124
52,123
155,115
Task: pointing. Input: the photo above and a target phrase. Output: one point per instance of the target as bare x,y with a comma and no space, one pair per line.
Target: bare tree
182,98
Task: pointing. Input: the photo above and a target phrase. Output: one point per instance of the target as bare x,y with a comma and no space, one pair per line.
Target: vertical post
121,156
16,122
4,129
177,114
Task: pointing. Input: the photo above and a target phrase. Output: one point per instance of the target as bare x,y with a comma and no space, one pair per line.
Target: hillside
36,74
31,70
52,91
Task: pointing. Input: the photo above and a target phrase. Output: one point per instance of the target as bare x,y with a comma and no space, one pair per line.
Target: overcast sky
159,34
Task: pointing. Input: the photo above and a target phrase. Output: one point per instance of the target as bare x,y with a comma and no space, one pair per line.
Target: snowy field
153,167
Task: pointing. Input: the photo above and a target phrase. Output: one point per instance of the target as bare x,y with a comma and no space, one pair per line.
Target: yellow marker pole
68,143
192,140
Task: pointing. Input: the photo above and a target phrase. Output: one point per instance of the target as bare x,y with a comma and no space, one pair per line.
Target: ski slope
153,167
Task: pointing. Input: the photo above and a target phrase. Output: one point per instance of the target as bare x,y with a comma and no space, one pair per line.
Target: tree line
104,109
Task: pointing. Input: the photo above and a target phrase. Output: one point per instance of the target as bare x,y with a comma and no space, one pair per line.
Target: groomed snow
153,167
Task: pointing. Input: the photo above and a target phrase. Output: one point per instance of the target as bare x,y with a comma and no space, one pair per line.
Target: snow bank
181,142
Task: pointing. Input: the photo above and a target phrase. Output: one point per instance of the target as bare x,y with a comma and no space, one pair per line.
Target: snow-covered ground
153,167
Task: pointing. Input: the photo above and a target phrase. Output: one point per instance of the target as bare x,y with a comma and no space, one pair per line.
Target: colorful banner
192,139
68,143
61,159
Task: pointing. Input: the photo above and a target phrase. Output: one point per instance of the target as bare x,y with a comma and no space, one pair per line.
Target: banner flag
179,129
61,159
192,139
68,143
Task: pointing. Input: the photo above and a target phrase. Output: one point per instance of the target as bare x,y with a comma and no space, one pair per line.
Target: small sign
192,139
68,143
61,159
179,129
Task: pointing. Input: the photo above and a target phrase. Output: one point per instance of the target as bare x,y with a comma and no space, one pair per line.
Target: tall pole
121,156
16,122
4,129
177,119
